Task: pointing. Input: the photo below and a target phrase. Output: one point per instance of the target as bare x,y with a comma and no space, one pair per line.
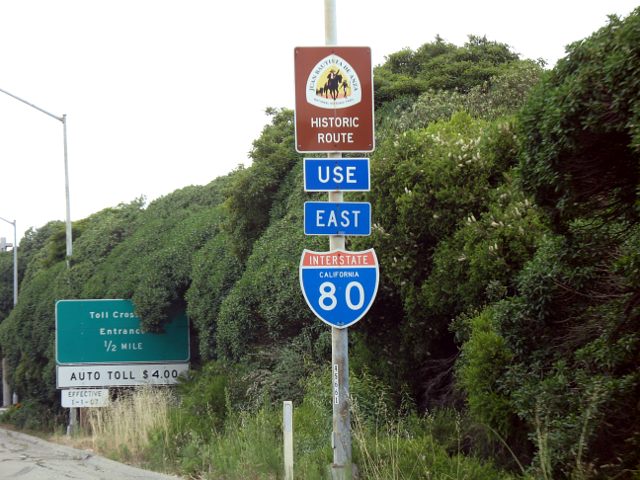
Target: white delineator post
287,433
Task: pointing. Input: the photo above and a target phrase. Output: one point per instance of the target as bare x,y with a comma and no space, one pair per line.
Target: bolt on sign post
334,114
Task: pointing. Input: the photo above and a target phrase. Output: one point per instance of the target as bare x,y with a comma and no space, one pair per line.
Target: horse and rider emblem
333,83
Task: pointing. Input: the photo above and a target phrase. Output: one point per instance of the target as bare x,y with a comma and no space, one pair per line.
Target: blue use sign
336,174
339,286
337,218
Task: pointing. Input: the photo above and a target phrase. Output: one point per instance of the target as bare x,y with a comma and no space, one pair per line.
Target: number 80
328,300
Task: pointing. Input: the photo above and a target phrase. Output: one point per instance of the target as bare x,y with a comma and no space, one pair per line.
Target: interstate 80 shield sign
339,286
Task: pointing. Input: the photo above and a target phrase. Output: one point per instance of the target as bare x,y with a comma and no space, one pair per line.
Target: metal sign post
339,337
334,114
6,389
341,441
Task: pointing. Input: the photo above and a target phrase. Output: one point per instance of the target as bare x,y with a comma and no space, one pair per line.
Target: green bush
483,361
32,416
580,129
429,184
440,66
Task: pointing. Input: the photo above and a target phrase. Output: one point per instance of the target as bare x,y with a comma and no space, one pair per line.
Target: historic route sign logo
339,286
333,83
334,99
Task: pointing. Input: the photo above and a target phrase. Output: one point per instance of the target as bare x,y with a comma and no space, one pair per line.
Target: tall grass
122,430
403,447
150,427
548,455
249,447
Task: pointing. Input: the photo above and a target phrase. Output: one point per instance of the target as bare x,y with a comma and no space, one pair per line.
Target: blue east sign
336,174
337,218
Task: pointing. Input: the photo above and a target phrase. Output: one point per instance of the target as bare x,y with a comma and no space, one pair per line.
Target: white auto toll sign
79,376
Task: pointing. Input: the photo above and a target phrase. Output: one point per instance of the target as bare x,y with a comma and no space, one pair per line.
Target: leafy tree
213,275
569,328
479,263
426,184
502,95
254,190
580,130
440,66
266,305
6,280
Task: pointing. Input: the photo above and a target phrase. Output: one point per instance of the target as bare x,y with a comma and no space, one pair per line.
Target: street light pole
73,412
66,190
6,391
62,119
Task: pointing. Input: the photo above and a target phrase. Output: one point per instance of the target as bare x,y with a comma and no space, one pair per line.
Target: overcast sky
161,94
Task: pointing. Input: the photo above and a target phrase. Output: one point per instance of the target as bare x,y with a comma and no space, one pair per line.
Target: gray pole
341,435
341,443
66,190
330,23
6,389
74,413
15,302
15,265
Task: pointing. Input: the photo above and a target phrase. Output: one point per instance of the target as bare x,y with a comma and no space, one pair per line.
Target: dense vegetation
506,202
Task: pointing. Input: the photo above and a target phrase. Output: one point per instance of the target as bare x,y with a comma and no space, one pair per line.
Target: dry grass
122,429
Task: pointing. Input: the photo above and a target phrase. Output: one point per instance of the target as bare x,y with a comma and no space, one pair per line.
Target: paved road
23,457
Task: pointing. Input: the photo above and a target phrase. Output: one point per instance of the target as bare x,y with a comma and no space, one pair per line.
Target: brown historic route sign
334,99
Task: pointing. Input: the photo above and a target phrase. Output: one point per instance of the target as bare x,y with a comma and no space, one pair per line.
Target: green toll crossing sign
109,332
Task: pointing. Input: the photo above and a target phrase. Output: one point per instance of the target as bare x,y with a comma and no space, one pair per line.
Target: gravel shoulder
27,457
